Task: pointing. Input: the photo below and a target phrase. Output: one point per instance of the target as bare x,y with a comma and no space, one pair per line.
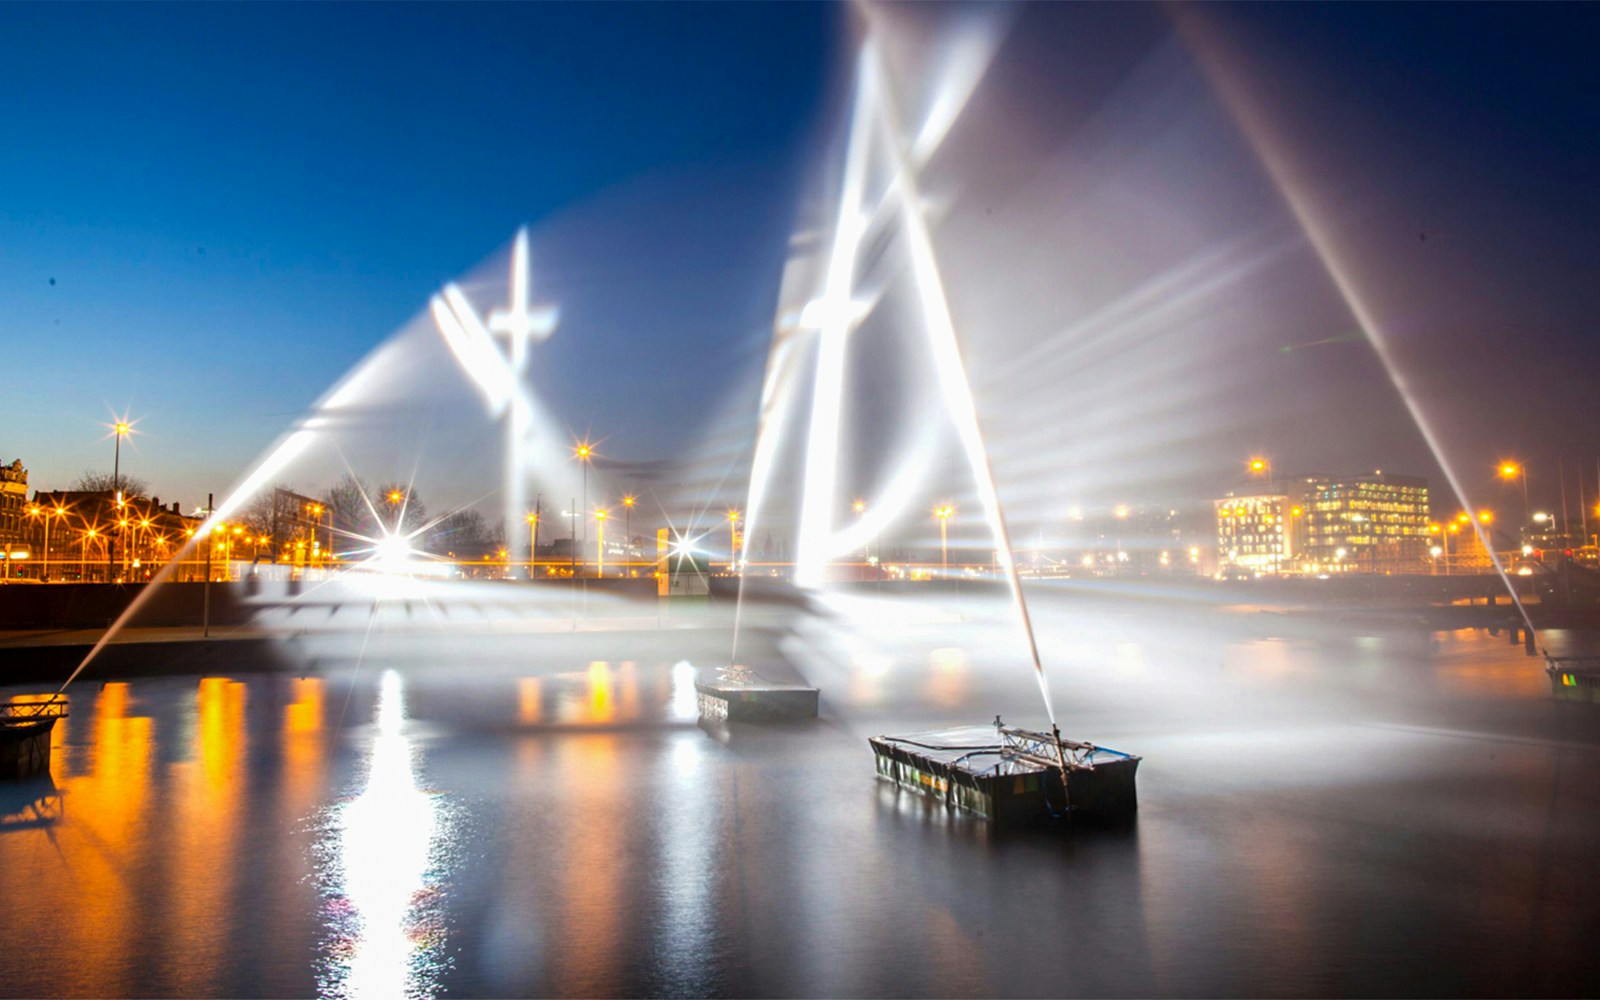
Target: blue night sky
210,212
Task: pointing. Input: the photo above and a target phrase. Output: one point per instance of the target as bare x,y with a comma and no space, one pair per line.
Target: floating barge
25,729
741,695
1011,776
1574,678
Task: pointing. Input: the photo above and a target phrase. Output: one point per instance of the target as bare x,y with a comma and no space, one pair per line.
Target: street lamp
944,514
58,513
83,551
627,523
583,452
1513,471
119,430
533,541
1261,466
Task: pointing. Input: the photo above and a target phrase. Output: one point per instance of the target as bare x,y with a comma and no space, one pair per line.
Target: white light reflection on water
683,704
381,859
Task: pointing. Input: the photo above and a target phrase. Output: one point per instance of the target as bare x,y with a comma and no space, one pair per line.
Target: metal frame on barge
1009,775
25,728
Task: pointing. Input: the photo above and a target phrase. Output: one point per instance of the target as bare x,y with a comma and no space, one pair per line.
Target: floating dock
1574,678
1011,776
25,729
739,694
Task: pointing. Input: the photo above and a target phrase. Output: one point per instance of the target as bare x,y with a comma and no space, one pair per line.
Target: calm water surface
1322,812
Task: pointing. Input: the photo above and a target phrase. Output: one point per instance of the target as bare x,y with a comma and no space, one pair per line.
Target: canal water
1326,808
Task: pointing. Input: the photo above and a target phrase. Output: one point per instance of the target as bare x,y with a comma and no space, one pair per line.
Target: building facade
13,517
1254,536
1317,524
1376,523
89,536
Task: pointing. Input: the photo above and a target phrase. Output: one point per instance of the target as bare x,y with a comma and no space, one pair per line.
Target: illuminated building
13,503
1373,523
1254,536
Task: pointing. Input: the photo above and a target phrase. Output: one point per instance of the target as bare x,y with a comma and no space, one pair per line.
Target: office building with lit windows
1254,536
1376,523
1319,524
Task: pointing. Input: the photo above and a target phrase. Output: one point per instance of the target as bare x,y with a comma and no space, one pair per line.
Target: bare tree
104,482
465,535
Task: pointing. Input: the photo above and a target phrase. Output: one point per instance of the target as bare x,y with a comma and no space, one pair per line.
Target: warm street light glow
629,500
860,506
395,496
944,514
1485,516
582,452
1463,517
599,515
1258,465
1541,517
1510,470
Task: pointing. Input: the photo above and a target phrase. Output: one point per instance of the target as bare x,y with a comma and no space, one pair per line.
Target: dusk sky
211,212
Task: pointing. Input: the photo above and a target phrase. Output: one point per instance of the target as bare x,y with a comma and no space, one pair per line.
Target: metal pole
205,605
116,496
1566,521
1526,513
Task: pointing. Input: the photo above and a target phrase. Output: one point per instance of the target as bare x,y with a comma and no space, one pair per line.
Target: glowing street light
583,451
119,430
39,513
733,540
83,551
1511,471
627,521
944,514
600,541
395,496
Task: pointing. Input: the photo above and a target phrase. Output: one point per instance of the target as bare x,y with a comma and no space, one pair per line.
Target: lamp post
1261,466
733,541
119,430
83,552
315,510
582,451
1513,471
600,542
944,514
627,524
36,511
533,541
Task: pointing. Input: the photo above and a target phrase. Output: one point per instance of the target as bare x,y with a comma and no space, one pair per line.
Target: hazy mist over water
1326,807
